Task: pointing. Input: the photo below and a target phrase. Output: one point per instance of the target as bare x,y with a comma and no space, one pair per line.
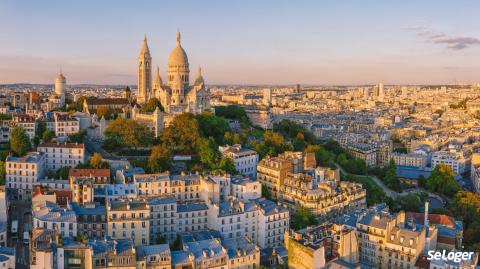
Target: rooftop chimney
425,222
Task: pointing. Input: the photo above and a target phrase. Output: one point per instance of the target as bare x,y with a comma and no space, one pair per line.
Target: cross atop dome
178,39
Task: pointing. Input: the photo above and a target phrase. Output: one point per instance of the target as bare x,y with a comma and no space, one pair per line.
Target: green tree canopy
442,180
233,112
212,126
2,173
182,134
19,141
151,105
78,137
47,136
159,159
291,130
304,218
129,133
272,144
466,207
322,156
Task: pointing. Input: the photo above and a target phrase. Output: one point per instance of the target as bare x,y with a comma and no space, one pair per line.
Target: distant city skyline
247,42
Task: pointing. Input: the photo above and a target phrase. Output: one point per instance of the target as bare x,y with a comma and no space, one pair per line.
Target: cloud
450,42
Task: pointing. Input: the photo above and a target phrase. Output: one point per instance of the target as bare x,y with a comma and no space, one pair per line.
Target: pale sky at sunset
244,42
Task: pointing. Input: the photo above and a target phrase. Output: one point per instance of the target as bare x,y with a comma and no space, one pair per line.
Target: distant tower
178,72
127,93
60,82
380,90
144,73
267,96
60,85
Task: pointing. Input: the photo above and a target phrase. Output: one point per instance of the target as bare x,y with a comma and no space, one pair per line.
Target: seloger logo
450,256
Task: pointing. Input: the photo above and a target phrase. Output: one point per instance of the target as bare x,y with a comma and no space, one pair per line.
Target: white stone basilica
176,94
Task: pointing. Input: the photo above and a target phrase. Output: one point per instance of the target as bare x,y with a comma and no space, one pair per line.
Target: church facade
176,94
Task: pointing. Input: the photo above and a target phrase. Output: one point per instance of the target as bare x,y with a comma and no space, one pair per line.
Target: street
21,211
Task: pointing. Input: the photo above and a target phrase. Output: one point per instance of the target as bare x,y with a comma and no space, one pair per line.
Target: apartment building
410,159
63,125
113,253
454,159
315,247
22,173
27,122
42,244
475,172
91,220
60,155
321,192
245,188
153,257
192,217
163,219
385,241
245,160
129,219
366,152
273,222
48,215
99,177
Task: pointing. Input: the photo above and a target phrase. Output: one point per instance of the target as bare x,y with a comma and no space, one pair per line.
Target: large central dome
178,57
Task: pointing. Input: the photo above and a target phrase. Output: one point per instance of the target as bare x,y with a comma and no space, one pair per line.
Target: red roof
90,172
422,263
433,219
36,191
63,196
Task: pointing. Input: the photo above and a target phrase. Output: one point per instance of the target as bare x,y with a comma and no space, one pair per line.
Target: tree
234,112
159,159
466,207
442,180
2,173
151,105
96,161
409,203
322,156
103,111
177,244
207,151
41,127
272,144
78,137
299,143
334,147
182,134
47,136
391,179
78,106
225,165
63,172
292,130
231,139
82,238
128,132
304,218
19,141
212,126
266,193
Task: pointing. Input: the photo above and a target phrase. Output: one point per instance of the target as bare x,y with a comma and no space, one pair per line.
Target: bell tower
144,73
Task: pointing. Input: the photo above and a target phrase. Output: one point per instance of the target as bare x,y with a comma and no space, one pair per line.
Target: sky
244,42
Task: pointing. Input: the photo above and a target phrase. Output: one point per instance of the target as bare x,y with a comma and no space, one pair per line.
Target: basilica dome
178,56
